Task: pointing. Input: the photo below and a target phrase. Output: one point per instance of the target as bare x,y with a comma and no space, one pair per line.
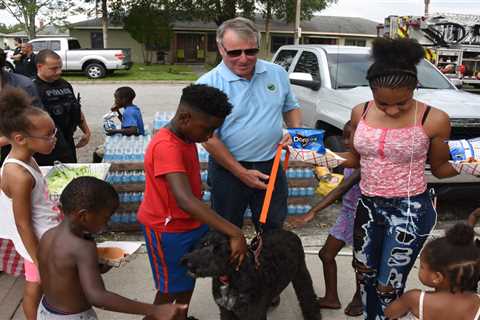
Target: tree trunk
105,23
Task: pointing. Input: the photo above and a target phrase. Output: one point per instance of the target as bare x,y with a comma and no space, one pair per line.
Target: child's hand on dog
238,248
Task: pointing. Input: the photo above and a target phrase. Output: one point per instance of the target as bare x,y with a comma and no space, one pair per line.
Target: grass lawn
142,72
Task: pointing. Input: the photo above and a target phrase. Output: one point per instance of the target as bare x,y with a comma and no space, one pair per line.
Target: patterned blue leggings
387,239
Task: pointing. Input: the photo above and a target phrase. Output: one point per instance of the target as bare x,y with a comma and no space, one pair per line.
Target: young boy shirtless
68,261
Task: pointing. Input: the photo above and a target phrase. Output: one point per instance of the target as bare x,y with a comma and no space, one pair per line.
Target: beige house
194,41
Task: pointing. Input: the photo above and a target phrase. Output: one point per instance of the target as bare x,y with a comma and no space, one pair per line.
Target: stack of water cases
127,176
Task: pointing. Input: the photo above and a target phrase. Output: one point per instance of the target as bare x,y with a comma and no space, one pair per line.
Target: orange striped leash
257,243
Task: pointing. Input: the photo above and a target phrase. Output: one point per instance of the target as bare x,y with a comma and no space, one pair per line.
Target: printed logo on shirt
271,87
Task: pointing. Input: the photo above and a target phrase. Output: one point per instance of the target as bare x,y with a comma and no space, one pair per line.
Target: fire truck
451,41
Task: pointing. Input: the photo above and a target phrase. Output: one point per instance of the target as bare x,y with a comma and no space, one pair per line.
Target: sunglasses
238,52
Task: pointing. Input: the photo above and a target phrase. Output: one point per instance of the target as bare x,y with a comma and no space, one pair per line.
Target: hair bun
397,51
460,234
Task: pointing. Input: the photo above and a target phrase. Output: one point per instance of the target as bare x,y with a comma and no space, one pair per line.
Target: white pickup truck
330,80
95,63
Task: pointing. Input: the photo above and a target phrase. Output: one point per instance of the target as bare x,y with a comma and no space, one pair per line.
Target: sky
375,10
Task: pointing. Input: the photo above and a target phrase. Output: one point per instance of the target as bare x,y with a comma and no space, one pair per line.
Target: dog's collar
224,280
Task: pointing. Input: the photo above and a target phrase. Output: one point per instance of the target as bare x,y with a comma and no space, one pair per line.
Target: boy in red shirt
172,213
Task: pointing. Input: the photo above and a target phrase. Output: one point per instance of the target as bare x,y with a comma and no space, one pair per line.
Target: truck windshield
349,71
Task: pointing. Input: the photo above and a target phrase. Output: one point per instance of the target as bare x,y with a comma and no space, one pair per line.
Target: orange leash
271,182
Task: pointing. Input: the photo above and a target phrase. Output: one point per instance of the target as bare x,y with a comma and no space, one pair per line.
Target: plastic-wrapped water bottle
291,209
302,192
299,173
125,177
295,192
125,218
307,208
310,191
132,218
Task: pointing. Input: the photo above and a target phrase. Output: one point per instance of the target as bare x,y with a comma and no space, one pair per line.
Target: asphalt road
97,99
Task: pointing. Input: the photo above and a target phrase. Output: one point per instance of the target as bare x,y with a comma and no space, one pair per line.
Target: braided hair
456,257
394,63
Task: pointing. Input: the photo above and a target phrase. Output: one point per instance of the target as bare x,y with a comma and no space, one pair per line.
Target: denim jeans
387,239
230,196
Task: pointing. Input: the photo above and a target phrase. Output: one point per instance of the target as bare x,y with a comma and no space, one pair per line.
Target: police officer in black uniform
27,65
59,101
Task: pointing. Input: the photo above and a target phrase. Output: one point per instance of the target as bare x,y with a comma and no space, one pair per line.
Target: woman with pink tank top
393,135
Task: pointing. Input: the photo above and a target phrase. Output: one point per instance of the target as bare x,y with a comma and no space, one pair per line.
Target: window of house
285,58
278,41
308,63
212,42
356,42
314,40
96,40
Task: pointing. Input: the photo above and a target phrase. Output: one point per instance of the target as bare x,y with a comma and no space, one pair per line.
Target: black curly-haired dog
247,293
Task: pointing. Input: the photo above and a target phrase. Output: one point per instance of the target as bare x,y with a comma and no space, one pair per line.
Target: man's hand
169,312
83,140
286,140
238,247
254,179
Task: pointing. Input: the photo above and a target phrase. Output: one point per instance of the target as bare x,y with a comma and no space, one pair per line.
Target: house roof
317,25
48,30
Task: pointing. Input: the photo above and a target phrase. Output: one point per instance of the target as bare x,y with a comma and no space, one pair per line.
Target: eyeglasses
238,52
48,138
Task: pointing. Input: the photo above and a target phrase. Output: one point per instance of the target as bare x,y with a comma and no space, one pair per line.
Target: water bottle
307,208
291,209
302,192
310,191
295,192
125,177
299,173
125,218
133,218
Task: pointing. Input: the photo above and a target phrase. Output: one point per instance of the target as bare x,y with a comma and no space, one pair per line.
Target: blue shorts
165,249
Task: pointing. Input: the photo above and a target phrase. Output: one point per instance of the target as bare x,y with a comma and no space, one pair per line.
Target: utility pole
298,31
427,5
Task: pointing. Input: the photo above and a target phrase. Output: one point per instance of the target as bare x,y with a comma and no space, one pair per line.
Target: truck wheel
335,143
95,71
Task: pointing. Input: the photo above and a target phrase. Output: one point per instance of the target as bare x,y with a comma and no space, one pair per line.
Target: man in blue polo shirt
243,148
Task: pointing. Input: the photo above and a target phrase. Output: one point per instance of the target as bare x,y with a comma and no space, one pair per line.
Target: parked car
95,63
330,80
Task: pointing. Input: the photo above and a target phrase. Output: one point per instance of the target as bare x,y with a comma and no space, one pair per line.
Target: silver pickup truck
330,80
95,63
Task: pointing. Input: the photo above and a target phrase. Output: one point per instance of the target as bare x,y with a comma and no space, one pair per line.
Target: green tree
27,11
149,24
215,10
10,29
285,10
